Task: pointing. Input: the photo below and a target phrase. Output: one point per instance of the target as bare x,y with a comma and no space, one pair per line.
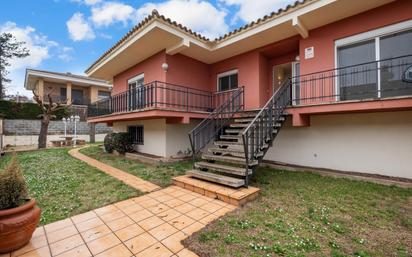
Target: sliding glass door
136,99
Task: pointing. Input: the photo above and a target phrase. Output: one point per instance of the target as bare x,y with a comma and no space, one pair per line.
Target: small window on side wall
227,80
136,134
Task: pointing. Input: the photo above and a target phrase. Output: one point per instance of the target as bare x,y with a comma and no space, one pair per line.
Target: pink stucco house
322,84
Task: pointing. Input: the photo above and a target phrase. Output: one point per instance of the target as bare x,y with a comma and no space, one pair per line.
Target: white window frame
224,74
135,78
366,36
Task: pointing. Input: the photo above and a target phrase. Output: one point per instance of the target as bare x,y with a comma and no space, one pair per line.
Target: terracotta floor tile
141,199
187,197
157,250
66,244
94,233
193,228
132,208
148,203
185,208
157,194
40,252
211,207
158,208
129,232
112,216
60,234
150,223
38,232
198,202
174,203
83,217
209,218
117,251
173,242
140,242
181,222
162,231
177,193
164,198
120,223
80,251
222,211
88,224
141,215
106,209
124,204
103,243
186,253
197,214
169,215
35,243
58,225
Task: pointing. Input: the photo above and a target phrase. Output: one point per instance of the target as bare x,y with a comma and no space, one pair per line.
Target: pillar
40,89
69,92
94,94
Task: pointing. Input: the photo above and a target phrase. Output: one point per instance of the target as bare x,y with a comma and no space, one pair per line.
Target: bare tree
48,110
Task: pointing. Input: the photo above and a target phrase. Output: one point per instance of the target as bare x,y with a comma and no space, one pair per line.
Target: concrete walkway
133,181
151,225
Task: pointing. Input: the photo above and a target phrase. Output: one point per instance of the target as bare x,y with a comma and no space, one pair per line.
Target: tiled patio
151,225
133,181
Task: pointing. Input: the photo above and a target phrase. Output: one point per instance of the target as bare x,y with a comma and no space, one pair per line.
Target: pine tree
10,48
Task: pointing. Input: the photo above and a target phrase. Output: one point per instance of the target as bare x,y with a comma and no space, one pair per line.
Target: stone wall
32,127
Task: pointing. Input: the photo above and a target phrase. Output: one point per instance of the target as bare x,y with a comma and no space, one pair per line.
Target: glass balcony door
136,99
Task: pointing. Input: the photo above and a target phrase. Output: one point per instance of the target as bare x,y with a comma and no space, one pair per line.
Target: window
136,92
77,96
136,134
227,80
388,51
103,94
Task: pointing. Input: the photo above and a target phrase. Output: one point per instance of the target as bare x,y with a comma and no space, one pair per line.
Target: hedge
25,111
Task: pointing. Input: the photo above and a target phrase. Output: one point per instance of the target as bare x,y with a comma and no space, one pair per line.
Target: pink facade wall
323,38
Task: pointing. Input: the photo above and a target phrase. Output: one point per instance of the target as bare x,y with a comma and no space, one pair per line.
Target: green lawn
158,174
305,214
64,186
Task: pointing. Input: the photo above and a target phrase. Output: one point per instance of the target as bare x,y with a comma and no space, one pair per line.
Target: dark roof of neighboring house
155,15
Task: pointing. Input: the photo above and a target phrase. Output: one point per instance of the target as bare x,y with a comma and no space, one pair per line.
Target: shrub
122,142
26,111
108,142
13,191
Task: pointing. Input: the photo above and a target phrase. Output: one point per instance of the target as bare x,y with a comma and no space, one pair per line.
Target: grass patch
64,186
305,214
158,174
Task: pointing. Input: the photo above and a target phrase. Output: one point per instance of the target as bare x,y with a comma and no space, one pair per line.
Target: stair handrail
260,130
213,124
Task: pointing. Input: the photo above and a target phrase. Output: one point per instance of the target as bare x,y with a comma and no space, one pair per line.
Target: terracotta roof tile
156,16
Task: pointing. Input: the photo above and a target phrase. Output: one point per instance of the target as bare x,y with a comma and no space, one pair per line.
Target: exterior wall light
165,67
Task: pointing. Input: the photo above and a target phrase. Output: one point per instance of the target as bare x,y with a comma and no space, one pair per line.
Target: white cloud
79,28
200,16
252,10
87,2
112,12
65,54
38,45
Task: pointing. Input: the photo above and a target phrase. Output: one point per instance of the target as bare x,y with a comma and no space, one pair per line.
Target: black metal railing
212,126
261,130
371,80
159,95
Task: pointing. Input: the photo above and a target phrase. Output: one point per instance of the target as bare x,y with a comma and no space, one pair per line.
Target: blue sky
69,35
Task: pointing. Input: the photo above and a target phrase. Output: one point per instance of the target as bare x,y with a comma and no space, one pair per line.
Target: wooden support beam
300,28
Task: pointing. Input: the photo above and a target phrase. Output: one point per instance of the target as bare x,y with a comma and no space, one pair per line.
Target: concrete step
213,177
239,125
225,151
244,120
231,137
233,131
227,143
222,168
229,159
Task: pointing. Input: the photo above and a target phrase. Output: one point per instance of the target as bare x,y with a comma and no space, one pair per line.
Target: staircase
234,141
